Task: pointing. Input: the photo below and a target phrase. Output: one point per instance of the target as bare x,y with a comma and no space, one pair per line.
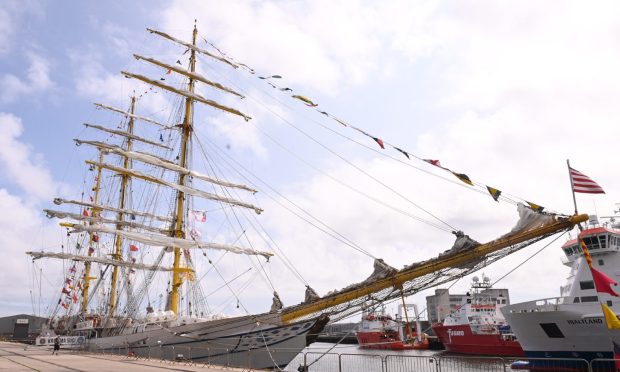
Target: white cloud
21,165
95,82
37,80
319,45
22,227
11,17
23,230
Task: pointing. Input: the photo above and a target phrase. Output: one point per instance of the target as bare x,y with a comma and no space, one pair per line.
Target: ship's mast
179,228
118,242
94,213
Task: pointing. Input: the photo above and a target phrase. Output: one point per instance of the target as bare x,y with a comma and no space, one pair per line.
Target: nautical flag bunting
379,141
305,100
402,152
495,193
436,163
199,216
586,252
463,177
610,317
602,282
536,207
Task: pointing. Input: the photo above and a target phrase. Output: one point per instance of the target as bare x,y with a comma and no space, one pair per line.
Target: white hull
582,329
250,341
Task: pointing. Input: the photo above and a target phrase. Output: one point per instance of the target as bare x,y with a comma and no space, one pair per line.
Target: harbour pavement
20,357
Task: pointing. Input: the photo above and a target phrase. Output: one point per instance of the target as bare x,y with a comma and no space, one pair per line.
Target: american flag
583,183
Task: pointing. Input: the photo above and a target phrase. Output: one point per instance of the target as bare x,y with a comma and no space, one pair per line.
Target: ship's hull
381,341
250,342
460,339
571,332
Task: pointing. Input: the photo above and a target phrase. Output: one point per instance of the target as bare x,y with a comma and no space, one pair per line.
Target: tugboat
477,326
379,330
573,325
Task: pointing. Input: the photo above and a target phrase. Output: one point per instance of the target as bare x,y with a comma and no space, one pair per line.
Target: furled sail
192,47
130,115
104,261
79,217
161,162
188,94
167,241
276,303
182,188
529,218
125,134
128,212
187,73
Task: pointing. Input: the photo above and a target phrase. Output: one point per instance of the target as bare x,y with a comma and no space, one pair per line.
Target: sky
505,92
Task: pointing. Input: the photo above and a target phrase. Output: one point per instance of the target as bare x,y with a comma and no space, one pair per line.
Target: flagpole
572,187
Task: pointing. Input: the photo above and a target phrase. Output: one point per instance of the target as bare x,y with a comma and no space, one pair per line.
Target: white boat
572,325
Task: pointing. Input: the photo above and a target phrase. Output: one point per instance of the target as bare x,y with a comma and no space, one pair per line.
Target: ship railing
542,305
347,362
604,365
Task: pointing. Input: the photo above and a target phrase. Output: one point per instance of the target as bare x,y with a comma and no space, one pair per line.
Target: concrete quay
21,357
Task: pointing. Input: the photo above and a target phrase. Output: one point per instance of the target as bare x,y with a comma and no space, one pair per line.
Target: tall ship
573,325
162,223
478,326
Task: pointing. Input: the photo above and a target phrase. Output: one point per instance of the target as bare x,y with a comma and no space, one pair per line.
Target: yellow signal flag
305,100
536,207
495,193
610,317
463,177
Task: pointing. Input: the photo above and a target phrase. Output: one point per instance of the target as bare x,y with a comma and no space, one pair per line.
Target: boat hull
381,341
248,342
460,339
580,335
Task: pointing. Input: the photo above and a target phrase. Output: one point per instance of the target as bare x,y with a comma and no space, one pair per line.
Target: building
21,327
443,303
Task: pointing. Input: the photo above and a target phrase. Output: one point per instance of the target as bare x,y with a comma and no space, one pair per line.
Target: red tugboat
378,330
478,326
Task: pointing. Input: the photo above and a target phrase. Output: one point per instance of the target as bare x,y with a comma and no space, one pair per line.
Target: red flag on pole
584,184
603,283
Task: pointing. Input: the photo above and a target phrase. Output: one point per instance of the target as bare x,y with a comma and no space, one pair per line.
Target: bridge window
586,285
601,262
552,330
589,299
591,242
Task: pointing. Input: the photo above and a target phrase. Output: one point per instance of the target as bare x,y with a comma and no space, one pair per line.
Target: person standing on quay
56,345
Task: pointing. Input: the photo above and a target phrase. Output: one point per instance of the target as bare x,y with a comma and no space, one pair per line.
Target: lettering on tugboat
585,321
455,333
